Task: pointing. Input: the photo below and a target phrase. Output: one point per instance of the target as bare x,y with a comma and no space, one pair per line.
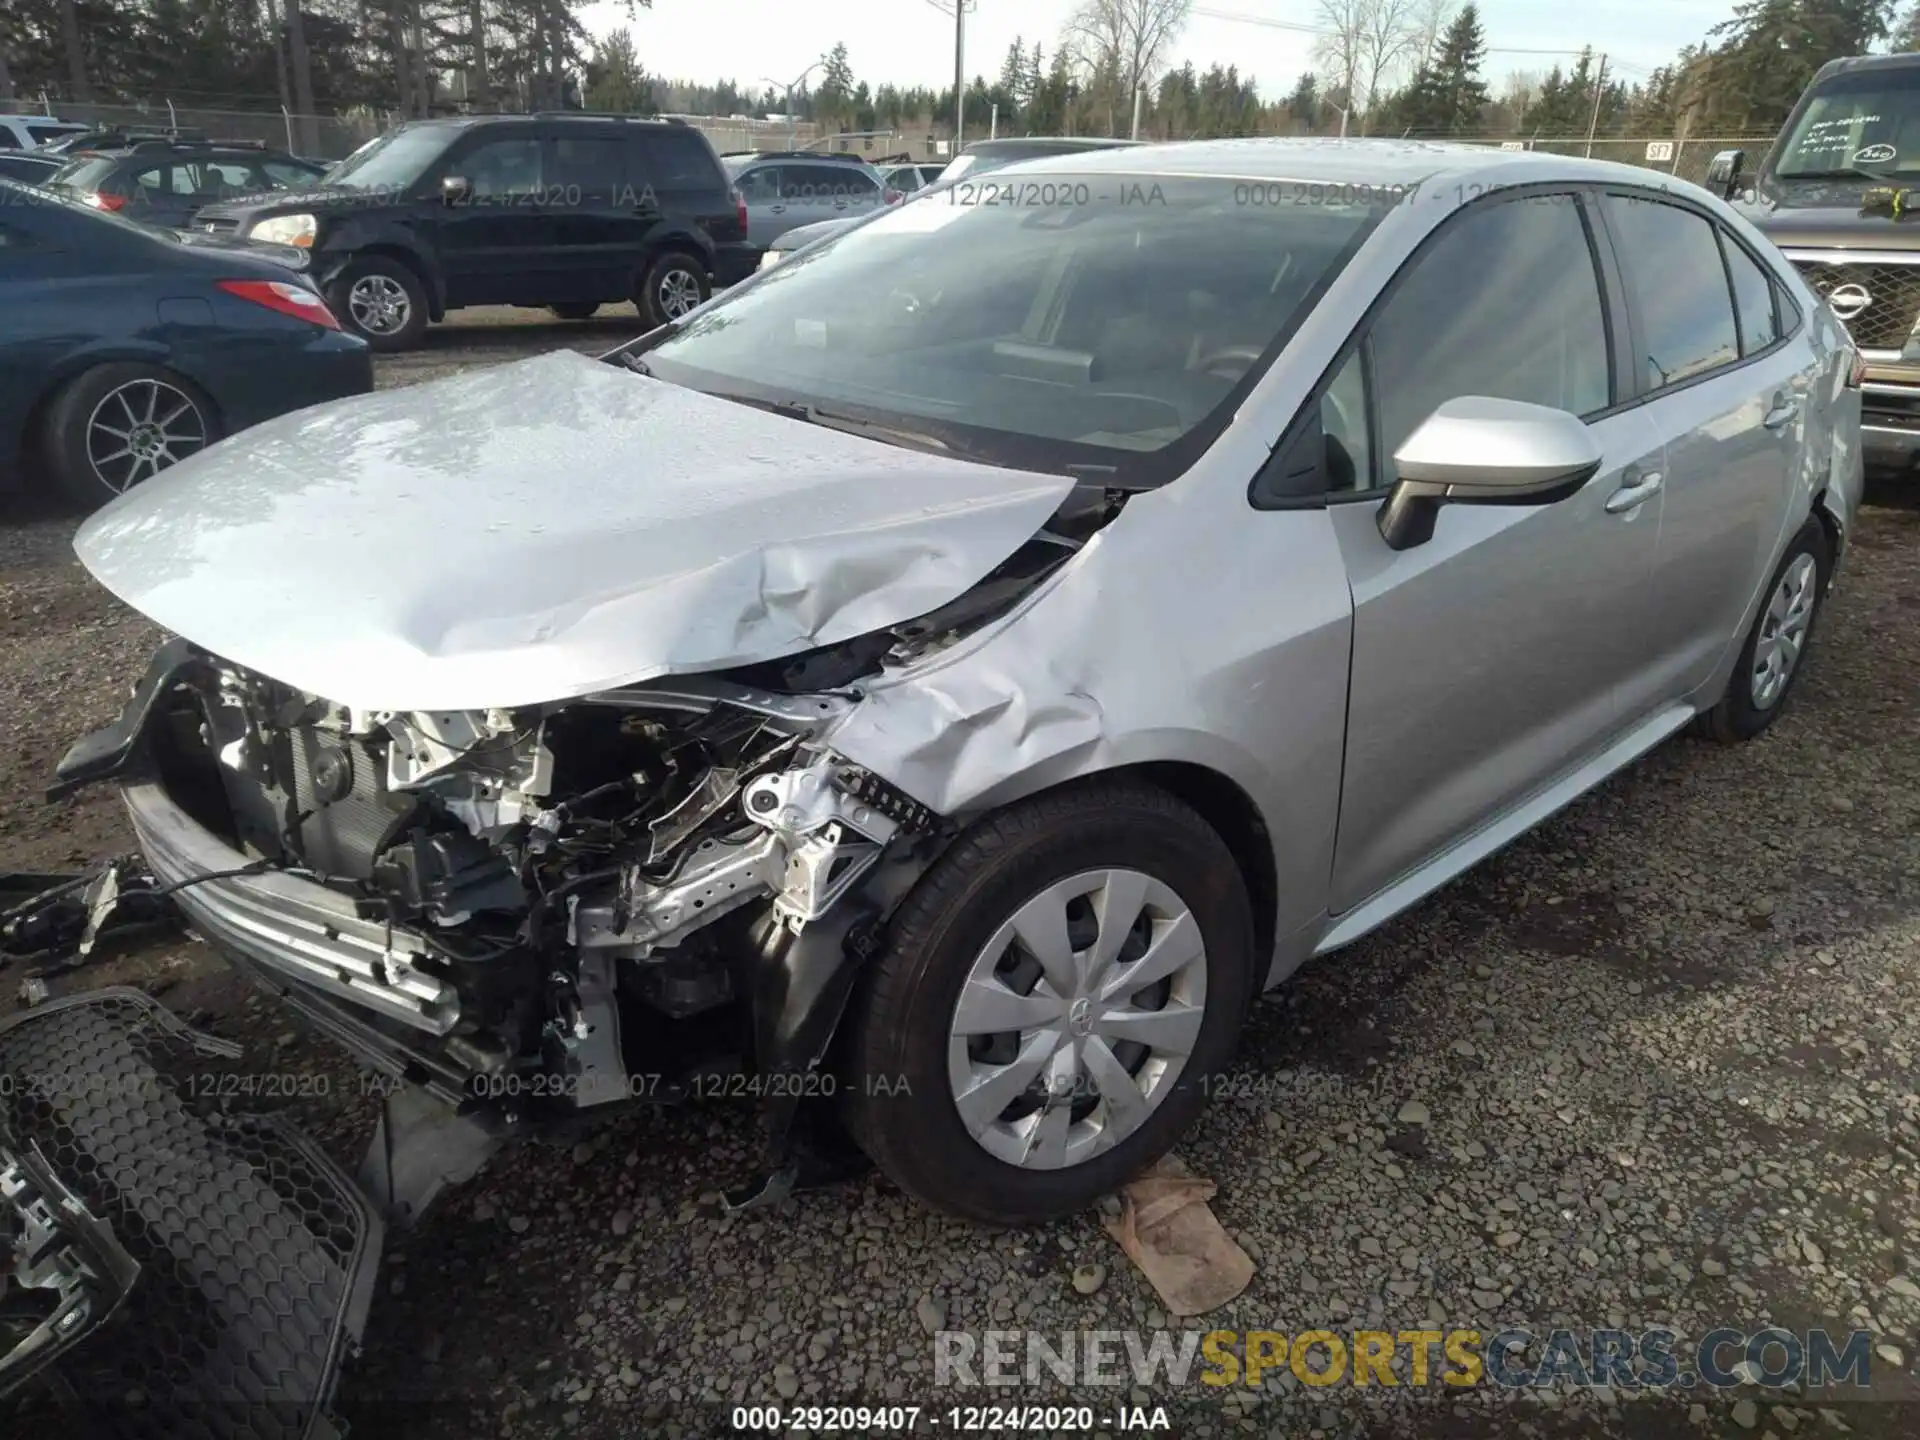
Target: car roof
1346,162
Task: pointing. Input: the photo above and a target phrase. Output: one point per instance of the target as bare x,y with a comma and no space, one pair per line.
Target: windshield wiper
811,414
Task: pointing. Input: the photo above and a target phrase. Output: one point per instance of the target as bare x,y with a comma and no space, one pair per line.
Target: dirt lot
1653,1065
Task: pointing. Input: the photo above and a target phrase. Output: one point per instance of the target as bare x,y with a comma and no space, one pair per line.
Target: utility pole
959,74
1599,89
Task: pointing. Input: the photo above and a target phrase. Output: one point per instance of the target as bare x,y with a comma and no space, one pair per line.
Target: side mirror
1476,450
456,189
1724,173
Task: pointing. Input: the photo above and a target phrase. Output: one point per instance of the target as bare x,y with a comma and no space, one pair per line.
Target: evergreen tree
1303,105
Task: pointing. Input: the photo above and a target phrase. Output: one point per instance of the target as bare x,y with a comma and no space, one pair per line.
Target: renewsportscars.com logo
1509,1359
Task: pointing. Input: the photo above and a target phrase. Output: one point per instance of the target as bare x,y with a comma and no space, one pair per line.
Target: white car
30,132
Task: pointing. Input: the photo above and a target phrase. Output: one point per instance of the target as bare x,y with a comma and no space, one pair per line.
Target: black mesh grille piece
1893,302
256,1253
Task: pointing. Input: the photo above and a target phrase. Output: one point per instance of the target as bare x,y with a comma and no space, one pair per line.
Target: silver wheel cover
1783,631
1076,1019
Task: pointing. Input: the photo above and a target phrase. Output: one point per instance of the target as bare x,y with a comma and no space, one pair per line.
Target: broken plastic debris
1169,1232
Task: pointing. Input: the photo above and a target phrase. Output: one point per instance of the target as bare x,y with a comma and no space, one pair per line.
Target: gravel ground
1654,1065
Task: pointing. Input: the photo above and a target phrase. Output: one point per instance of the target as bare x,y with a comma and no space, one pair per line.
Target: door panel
1494,657
496,244
598,226
1486,661
1731,431
766,209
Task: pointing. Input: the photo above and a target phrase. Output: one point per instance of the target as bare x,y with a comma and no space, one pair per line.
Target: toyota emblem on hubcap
1849,300
1080,1017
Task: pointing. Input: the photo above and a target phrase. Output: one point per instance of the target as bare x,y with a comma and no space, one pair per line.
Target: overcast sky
910,42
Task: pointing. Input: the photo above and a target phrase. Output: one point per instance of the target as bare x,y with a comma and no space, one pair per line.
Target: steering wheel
1219,361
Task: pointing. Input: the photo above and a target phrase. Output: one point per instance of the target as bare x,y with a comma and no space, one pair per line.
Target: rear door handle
1785,407
1635,493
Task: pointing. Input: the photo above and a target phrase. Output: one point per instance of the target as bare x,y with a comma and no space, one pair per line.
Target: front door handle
1635,493
1785,407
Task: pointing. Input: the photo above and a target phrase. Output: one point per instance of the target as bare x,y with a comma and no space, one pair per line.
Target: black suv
564,210
164,181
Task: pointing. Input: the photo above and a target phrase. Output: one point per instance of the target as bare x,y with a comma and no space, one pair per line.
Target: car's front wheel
115,425
1049,1003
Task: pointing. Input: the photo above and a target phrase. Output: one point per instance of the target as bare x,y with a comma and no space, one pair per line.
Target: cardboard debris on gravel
1173,1238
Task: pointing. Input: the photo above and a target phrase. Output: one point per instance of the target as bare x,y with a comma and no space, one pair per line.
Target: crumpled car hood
543,530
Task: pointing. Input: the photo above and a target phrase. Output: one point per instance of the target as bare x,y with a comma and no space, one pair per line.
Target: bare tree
1430,21
1127,40
1518,93
1386,38
1341,49
6,82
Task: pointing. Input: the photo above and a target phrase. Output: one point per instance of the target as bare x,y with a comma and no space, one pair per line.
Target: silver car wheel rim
1076,1019
379,304
679,293
1783,631
140,428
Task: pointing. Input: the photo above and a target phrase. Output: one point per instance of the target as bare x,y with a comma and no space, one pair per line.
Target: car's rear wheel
674,283
1050,1000
574,310
114,426
382,301
1774,654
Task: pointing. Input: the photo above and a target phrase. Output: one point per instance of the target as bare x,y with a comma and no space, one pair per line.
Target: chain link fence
334,137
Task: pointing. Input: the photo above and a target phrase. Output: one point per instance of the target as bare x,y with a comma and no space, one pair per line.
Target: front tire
673,284
114,426
382,301
1050,1001
1774,654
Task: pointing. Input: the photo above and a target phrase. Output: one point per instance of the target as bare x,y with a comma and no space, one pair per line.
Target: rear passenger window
1752,298
585,165
675,160
1506,303
1679,282
760,185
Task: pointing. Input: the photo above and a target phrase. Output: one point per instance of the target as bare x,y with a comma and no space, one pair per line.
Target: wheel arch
427,274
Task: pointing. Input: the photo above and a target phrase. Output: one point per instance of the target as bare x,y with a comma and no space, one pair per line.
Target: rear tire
574,310
673,284
382,301
113,426
1775,653
915,1044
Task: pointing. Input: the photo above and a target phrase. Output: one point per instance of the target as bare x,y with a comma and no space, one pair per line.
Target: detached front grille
1885,318
256,1254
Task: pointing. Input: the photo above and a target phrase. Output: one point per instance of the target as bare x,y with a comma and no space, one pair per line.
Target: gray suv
782,191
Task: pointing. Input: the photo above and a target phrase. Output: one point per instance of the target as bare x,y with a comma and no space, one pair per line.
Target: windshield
1039,320
393,162
1861,124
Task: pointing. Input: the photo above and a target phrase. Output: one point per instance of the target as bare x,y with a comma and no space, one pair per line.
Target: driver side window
503,168
1505,302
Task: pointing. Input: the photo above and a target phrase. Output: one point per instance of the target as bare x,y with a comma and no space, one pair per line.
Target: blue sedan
124,348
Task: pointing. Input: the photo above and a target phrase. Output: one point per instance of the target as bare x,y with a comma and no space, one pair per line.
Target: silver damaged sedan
930,690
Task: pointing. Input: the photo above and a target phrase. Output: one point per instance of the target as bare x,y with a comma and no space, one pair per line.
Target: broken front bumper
303,930
223,1264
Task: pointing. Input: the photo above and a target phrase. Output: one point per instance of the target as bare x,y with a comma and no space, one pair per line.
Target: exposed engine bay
549,909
